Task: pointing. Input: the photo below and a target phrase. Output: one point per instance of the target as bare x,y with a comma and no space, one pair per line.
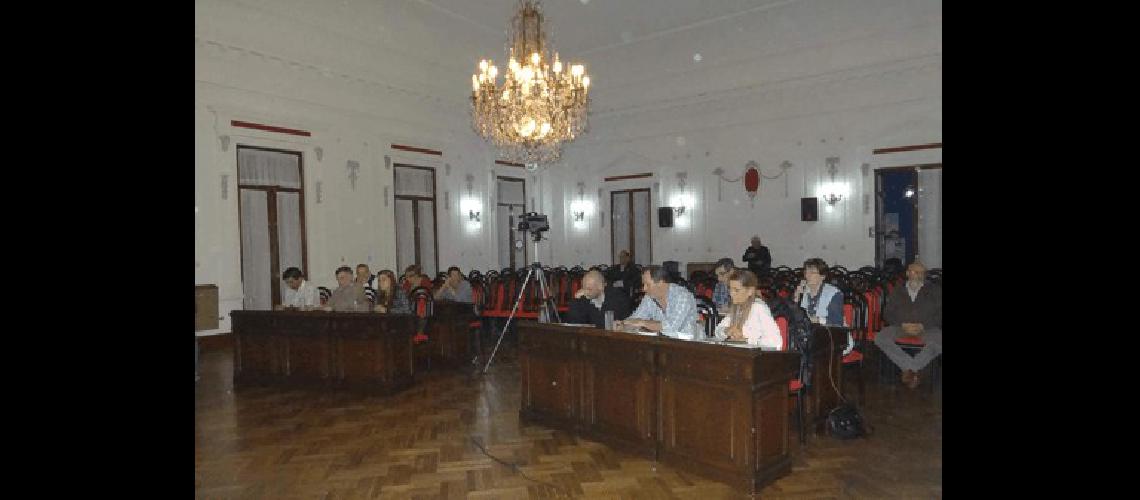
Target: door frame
649,218
416,214
879,204
271,216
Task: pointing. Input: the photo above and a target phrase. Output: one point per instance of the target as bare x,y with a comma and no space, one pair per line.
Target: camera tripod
548,305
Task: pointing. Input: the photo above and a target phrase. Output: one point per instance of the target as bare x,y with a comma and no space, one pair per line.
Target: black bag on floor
845,422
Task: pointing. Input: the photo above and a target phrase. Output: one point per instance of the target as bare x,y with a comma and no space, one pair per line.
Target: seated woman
822,301
748,318
389,297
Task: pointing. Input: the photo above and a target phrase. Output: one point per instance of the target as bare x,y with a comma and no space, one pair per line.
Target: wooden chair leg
800,416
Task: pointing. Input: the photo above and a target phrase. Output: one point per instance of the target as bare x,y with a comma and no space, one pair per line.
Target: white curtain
255,250
405,235
414,182
268,168
930,217
289,234
511,192
506,234
642,224
427,237
619,218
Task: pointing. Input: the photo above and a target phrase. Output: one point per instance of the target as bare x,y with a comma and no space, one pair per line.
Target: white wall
865,75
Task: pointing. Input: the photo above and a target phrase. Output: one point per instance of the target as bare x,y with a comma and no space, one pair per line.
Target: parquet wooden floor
421,444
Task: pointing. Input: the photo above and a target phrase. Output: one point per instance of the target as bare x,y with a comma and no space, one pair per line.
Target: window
271,211
416,241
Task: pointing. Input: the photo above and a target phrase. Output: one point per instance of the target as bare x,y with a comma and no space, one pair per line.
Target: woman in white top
748,318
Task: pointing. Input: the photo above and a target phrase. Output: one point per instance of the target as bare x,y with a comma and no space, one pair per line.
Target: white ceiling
582,27
638,52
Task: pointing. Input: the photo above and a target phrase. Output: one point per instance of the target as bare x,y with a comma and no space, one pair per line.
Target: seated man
594,299
724,268
822,301
412,279
363,275
455,288
349,295
912,310
666,307
298,292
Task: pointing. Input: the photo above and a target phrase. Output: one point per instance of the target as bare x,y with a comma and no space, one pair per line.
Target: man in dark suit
758,257
594,299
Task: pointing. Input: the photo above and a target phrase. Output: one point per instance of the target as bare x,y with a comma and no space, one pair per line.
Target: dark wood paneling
365,351
414,149
627,177
449,329
270,128
900,149
718,410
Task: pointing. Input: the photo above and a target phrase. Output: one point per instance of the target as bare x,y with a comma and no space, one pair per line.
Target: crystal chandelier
539,105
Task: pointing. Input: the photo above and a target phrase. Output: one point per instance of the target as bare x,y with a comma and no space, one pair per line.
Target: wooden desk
449,331
720,410
362,351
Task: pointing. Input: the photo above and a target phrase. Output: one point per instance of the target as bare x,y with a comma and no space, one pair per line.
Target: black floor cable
512,466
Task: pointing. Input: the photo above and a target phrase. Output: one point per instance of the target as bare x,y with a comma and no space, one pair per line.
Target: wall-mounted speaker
665,216
809,209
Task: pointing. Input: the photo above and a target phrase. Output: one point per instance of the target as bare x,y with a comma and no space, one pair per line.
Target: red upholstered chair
852,316
796,386
422,305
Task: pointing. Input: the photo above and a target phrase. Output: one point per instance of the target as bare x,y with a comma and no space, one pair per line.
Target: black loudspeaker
809,209
665,216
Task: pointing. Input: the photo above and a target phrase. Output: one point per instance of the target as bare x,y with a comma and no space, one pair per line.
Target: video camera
534,222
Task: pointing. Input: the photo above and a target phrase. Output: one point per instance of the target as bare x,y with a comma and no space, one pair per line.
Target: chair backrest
422,302
707,313
782,322
325,294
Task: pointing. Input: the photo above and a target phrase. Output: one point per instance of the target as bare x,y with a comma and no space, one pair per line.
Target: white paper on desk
679,335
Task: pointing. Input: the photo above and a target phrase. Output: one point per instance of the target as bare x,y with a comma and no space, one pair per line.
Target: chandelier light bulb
535,58
585,82
557,66
493,71
474,83
483,65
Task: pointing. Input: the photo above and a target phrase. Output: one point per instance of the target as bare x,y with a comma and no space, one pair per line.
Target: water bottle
609,320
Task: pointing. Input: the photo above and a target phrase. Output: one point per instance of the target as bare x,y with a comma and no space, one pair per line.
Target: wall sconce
832,192
473,215
678,211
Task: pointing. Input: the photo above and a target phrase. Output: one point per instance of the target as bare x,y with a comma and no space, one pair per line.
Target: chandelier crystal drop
539,105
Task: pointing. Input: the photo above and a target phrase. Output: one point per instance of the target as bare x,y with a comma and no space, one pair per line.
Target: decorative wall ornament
447,200
318,192
385,195
866,168
752,186
225,186
225,142
387,162
320,152
446,169
470,181
353,167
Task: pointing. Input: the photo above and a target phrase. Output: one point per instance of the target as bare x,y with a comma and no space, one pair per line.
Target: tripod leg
547,301
507,325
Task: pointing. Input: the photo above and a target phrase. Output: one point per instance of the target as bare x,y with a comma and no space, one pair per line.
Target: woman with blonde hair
748,317
390,298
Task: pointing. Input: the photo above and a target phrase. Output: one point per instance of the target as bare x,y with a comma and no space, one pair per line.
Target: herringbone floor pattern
269,443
